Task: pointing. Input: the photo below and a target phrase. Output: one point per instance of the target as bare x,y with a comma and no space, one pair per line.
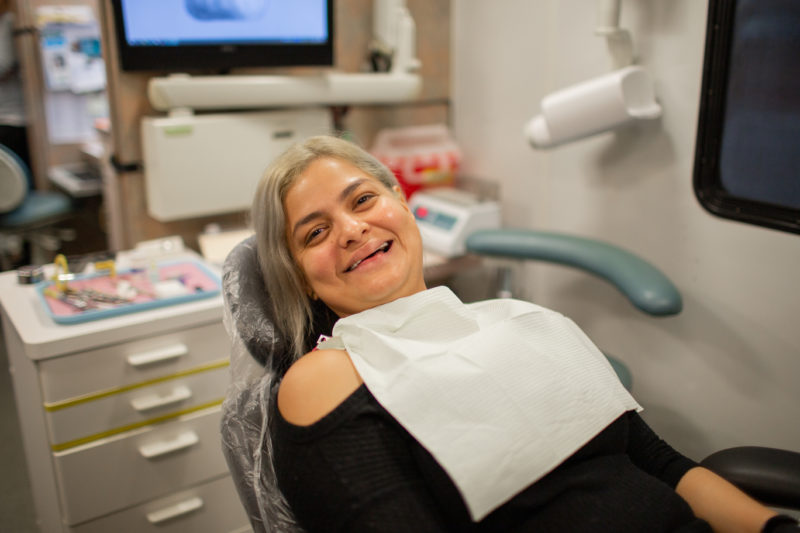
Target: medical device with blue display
186,35
446,217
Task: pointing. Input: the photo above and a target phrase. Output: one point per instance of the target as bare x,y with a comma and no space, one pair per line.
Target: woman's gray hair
282,276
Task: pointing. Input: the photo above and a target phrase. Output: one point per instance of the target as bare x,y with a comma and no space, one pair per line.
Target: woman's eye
313,234
363,198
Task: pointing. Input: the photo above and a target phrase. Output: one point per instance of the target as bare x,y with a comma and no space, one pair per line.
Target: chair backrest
259,358
14,181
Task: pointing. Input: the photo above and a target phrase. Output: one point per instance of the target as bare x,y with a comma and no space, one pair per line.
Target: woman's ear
398,191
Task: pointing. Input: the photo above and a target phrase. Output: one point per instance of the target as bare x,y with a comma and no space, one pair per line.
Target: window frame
707,181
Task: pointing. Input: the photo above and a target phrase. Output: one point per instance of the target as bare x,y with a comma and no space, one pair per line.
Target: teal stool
25,214
643,284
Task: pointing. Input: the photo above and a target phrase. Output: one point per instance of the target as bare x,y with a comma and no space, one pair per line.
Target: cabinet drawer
212,507
111,474
117,413
118,365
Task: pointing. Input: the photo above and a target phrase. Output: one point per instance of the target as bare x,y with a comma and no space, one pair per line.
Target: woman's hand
721,504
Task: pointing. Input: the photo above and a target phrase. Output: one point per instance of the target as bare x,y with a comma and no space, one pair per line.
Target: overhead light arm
618,40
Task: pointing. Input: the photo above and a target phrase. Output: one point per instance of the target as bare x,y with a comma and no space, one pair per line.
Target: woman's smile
370,258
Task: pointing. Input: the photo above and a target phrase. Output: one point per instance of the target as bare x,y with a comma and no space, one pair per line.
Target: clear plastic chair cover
259,358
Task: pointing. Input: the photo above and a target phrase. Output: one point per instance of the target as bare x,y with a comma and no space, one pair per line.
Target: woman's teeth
382,248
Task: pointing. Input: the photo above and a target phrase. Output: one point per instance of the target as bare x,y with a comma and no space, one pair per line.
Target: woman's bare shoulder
315,384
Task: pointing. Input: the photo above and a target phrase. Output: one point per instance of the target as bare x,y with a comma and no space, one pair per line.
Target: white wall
725,371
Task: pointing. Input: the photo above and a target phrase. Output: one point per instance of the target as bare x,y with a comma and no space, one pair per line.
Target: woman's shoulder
315,385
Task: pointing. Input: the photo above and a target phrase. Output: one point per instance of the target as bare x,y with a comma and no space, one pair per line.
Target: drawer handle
179,509
146,403
157,449
157,356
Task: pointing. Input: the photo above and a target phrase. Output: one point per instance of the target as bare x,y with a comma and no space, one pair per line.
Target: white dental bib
499,392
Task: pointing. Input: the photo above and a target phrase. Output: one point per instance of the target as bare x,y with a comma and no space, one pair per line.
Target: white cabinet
212,506
120,417
112,474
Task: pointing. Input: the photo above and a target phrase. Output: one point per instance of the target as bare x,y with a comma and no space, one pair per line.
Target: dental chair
645,286
258,359
769,475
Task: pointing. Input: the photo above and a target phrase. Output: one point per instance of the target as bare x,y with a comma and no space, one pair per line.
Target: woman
333,226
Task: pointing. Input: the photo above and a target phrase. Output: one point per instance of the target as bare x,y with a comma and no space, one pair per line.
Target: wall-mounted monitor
218,35
747,161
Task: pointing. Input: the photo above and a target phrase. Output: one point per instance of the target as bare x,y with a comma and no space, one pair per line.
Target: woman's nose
352,229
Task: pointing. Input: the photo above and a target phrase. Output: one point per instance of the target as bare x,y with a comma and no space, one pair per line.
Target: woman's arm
721,504
711,497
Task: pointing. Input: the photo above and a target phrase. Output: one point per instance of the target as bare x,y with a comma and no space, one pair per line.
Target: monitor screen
187,35
746,160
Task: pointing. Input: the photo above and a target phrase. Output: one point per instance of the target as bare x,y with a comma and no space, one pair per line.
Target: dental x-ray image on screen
187,35
225,9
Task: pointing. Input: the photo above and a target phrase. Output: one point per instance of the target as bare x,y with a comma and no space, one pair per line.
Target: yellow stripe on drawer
63,404
116,431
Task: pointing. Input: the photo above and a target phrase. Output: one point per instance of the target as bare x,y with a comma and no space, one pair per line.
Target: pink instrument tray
196,278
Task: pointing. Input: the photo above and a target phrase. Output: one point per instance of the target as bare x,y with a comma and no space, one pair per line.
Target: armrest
643,284
769,475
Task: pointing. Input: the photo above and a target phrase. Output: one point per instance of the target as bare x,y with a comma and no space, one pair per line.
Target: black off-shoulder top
358,470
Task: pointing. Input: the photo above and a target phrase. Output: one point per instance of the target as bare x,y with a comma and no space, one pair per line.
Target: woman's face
355,241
